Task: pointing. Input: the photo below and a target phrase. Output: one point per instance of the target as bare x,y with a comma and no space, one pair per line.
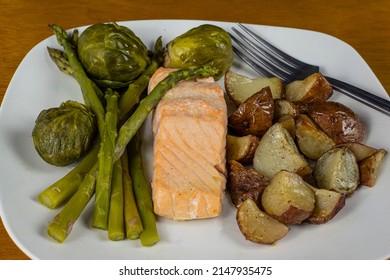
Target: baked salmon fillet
189,128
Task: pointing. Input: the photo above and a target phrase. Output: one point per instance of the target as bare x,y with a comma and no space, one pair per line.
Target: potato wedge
244,183
360,150
239,88
370,166
288,198
258,226
254,115
285,107
288,122
328,204
337,170
313,89
278,151
311,140
338,121
241,148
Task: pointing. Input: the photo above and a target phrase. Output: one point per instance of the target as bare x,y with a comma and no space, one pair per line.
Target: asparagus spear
88,88
61,225
64,188
149,236
116,230
59,59
106,161
133,224
132,95
61,190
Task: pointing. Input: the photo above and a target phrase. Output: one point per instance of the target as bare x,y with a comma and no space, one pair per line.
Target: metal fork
268,60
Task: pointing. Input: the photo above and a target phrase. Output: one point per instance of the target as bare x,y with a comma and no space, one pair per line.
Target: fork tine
261,70
276,61
271,49
256,61
261,60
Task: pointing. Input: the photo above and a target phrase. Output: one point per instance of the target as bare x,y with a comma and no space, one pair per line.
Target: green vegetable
63,134
63,64
205,44
149,236
91,92
62,224
133,224
106,162
62,189
65,187
116,227
60,60
132,95
112,54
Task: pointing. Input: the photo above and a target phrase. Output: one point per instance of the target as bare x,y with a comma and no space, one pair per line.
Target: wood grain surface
24,23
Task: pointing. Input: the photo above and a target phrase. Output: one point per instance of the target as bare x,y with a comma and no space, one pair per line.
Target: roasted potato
360,150
337,170
311,140
285,107
288,198
239,88
313,89
241,148
258,226
369,168
254,115
277,151
338,121
288,122
244,183
328,204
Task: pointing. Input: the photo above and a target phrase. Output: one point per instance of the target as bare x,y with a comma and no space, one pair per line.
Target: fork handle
378,103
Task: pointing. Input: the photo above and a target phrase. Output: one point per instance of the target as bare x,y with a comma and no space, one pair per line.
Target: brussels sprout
112,54
63,134
205,44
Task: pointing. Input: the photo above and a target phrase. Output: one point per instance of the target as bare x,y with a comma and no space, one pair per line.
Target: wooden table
362,24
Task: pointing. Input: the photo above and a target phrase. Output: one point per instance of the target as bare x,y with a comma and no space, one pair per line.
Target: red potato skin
292,215
255,115
244,183
321,90
338,121
322,219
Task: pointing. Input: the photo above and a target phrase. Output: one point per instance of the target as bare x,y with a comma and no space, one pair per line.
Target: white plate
360,231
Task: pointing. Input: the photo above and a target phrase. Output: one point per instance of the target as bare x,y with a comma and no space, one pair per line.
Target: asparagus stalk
89,89
106,161
132,95
147,104
60,60
61,190
62,224
116,230
149,236
133,224
64,188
